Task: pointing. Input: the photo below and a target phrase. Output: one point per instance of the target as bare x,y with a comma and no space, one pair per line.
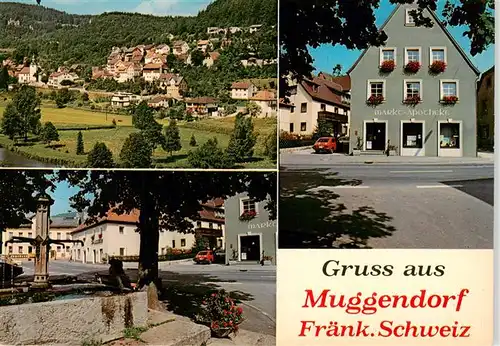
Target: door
250,248
375,136
412,139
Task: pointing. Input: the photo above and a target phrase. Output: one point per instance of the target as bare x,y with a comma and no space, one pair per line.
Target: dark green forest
58,38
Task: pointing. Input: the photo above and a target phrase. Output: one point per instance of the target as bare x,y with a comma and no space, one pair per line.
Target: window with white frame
437,54
409,18
413,88
376,88
248,205
387,54
412,54
449,88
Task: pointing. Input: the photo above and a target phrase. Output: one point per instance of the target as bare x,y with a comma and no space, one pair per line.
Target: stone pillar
42,239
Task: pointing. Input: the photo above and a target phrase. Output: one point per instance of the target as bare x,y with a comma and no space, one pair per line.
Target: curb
289,150
259,310
372,163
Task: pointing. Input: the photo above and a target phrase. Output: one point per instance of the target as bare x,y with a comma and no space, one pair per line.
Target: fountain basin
72,321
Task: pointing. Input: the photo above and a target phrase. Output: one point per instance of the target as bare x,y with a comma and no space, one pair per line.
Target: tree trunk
149,238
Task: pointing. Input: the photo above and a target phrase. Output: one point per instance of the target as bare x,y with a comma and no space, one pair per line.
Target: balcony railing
331,116
210,232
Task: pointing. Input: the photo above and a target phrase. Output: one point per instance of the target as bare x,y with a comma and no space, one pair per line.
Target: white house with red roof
266,100
242,90
313,99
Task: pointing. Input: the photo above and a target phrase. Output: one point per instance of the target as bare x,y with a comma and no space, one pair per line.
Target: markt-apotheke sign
413,112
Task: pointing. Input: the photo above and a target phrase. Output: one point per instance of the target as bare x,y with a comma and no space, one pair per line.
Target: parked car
206,256
325,145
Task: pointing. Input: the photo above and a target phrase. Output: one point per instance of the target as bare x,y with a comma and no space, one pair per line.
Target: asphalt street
393,205
257,282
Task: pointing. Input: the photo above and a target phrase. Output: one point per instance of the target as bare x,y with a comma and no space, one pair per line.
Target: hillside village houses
323,97
56,78
242,90
267,102
203,106
422,101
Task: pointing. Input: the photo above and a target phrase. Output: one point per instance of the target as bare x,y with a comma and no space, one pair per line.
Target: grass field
114,138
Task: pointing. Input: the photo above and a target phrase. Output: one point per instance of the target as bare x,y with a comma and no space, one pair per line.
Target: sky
156,7
327,56
61,197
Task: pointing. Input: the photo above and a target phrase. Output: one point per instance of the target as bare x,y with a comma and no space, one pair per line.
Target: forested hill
60,38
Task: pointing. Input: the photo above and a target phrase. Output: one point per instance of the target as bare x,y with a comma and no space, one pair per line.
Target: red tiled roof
214,203
321,89
241,85
264,95
132,217
25,70
343,81
152,66
214,55
201,100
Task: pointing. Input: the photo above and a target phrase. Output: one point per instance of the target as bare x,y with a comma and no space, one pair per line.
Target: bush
192,141
220,313
290,140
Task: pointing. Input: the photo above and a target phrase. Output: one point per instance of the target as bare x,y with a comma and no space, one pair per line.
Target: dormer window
409,21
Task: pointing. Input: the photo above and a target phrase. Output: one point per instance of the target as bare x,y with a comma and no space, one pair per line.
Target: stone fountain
42,242
64,314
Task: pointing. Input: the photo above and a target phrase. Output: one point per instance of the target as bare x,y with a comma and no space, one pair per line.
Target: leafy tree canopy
352,24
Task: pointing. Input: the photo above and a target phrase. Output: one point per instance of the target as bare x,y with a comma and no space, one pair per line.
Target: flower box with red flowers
387,66
449,100
437,67
100,235
221,314
248,215
412,67
413,100
375,100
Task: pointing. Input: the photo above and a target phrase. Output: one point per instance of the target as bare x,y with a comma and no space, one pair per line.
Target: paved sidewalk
302,157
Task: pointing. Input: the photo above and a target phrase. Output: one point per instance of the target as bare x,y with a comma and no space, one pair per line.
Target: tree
49,133
210,156
26,103
352,24
323,129
11,122
80,149
271,146
242,140
19,189
136,152
337,70
63,97
4,78
100,157
85,97
171,210
172,137
45,79
197,57
142,116
192,141
253,109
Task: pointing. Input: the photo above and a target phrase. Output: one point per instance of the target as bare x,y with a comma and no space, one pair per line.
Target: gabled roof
201,100
264,95
441,25
322,90
112,217
241,85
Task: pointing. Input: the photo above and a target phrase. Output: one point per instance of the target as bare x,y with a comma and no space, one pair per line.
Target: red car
206,256
325,145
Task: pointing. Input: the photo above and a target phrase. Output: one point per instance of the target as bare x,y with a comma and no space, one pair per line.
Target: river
10,159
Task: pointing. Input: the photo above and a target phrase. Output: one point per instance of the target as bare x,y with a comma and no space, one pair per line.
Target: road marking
269,276
223,283
436,186
351,187
449,171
